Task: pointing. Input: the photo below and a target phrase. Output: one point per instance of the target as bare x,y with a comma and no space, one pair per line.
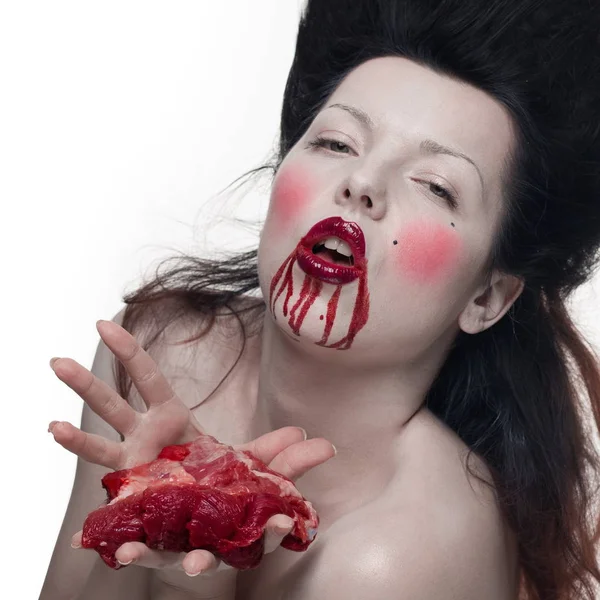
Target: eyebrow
427,146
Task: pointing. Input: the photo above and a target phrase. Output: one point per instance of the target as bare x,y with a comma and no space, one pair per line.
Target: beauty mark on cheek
427,252
290,193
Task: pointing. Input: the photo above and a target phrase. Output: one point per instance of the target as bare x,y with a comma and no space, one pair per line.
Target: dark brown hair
525,394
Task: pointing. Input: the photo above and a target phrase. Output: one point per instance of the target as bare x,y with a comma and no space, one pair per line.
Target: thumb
297,459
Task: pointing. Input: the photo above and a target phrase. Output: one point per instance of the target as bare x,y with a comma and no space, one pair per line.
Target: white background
119,124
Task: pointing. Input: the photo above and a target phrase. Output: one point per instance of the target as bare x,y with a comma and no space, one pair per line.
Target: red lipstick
324,270
319,270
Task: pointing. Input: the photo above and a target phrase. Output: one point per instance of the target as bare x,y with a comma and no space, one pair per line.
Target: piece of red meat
203,494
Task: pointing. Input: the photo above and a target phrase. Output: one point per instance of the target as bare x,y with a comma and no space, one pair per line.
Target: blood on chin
295,304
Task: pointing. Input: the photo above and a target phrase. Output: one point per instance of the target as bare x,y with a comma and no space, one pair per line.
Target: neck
362,412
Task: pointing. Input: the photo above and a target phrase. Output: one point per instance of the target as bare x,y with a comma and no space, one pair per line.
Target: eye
439,190
323,142
442,192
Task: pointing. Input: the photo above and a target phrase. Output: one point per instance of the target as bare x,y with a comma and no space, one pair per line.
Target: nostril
369,203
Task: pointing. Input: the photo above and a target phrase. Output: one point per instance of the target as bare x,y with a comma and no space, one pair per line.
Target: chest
311,575
428,471
230,415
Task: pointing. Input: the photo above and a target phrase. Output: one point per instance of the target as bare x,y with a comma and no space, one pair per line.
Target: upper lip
347,231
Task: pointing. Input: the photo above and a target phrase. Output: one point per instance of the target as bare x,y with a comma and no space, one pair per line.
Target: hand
167,421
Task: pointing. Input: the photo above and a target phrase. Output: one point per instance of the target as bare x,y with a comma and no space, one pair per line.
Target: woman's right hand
167,421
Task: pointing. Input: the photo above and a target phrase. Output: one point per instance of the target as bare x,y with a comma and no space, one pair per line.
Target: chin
309,340
328,315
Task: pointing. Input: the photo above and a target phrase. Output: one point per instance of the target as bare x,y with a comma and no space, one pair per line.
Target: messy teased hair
525,394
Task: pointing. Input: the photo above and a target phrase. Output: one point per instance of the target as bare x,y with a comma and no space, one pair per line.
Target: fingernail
73,545
282,530
303,432
52,361
52,426
124,564
334,449
284,527
193,574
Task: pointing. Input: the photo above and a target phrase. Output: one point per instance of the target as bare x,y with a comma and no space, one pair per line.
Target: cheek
428,253
290,193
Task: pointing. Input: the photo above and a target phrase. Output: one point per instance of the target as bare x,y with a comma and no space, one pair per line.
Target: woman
434,204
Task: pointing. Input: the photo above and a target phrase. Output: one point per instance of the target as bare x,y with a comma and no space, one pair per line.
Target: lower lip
318,268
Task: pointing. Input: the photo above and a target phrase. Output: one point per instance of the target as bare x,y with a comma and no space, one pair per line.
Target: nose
359,194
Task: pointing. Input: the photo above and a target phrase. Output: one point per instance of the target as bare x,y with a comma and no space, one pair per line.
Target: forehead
409,102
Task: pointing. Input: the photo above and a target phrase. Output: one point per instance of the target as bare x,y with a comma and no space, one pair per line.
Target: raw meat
203,494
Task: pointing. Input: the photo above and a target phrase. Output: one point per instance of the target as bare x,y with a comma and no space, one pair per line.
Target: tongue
331,256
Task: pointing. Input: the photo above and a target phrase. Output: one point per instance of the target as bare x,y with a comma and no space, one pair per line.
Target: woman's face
409,162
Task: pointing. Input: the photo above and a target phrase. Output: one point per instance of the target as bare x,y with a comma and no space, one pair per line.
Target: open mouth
335,251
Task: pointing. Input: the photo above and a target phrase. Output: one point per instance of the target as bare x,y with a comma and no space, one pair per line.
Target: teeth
334,243
344,249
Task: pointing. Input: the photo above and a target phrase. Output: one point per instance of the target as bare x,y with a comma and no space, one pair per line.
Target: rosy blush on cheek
428,252
290,193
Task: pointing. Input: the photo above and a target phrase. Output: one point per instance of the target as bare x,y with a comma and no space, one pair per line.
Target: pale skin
166,421
400,518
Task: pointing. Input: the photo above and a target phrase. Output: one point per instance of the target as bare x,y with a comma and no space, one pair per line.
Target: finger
144,372
277,527
97,394
88,446
297,459
268,446
200,561
76,540
140,554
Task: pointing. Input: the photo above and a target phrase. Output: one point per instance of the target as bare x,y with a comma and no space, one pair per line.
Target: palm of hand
167,421
164,425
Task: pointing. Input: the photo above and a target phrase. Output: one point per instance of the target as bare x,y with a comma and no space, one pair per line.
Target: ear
490,302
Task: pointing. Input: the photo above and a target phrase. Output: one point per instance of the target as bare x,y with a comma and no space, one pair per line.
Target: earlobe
488,307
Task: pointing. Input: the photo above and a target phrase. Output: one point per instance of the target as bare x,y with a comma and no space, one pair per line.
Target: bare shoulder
442,469
436,533
453,493
200,354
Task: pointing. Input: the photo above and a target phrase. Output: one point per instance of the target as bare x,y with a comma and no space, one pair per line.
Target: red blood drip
305,287
331,310
360,315
289,282
315,290
277,278
310,291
